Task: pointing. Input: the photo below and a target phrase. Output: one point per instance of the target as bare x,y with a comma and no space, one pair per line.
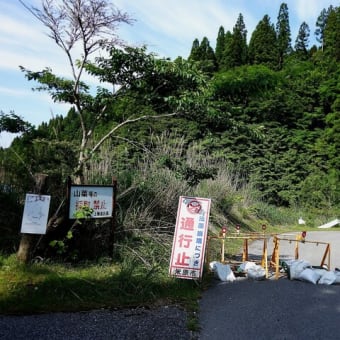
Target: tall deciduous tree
283,34
165,88
92,25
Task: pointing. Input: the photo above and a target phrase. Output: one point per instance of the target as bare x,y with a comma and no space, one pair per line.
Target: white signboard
188,249
34,220
98,198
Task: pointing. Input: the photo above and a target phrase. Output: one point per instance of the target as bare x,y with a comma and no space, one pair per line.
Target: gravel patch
166,322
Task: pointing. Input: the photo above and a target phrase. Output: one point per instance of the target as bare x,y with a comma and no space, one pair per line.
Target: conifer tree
331,34
262,45
302,40
195,51
203,54
235,53
321,24
225,59
206,50
283,34
220,45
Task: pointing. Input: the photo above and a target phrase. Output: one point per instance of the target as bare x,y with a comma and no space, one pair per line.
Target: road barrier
275,262
275,258
246,239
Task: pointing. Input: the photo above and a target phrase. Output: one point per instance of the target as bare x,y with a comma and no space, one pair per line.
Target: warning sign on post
188,249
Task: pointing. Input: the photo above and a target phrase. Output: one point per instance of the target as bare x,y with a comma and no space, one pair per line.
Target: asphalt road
312,250
276,309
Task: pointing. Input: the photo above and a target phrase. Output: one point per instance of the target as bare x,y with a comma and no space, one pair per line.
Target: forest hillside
253,122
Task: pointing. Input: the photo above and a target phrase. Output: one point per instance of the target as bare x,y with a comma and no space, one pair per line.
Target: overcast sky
167,27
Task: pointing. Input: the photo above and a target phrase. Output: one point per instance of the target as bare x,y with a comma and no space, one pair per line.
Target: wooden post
245,250
264,261
297,248
327,253
27,240
222,251
275,256
207,256
113,220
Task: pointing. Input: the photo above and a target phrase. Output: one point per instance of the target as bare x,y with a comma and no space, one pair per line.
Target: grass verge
53,287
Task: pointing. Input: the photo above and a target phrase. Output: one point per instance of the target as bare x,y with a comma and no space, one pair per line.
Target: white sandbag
244,267
256,273
212,265
327,279
320,271
337,276
296,267
309,275
224,272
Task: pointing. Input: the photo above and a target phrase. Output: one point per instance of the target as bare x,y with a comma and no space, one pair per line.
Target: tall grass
148,194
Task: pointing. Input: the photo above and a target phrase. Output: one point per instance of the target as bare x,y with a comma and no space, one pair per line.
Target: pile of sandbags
302,270
224,272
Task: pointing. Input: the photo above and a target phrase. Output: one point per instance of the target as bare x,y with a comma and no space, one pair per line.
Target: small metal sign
34,220
100,199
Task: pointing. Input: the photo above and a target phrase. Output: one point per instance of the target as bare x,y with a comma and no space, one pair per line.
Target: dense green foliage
267,111
295,106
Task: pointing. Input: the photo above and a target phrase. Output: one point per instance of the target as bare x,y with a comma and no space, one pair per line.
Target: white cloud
309,10
17,29
171,26
167,27
12,92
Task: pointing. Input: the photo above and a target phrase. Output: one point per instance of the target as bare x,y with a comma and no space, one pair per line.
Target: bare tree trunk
28,240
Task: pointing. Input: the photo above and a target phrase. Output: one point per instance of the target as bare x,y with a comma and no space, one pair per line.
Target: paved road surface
312,252
270,310
275,309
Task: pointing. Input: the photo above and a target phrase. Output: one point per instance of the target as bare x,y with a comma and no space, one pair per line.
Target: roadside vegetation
137,273
256,133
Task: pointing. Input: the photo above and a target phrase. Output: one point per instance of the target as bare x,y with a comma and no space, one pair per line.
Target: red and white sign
188,248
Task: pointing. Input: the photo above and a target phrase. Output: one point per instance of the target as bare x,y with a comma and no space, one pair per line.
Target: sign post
188,249
34,220
98,198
